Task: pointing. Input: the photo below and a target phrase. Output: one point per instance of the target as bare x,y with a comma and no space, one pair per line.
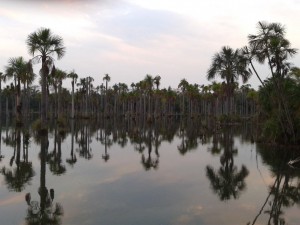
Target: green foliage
225,119
38,128
62,125
272,112
271,130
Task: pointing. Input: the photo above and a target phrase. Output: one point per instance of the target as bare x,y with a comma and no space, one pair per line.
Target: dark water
130,172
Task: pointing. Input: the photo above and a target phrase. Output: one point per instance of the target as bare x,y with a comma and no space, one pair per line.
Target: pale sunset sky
128,39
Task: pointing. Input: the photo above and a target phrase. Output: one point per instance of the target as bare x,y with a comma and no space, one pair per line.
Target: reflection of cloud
16,199
192,213
196,210
184,219
248,207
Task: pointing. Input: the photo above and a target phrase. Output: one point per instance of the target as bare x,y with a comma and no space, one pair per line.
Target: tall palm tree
148,82
74,78
42,45
156,81
27,79
230,65
89,84
270,45
58,76
183,85
2,78
106,78
17,68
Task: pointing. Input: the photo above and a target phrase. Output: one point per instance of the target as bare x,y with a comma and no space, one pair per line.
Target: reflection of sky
120,191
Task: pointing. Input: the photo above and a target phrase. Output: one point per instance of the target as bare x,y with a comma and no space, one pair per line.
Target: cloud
142,26
130,38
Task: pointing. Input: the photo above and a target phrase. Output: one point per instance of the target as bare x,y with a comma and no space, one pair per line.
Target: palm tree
156,81
106,78
149,82
42,45
27,79
89,87
183,85
2,78
17,68
270,45
58,76
74,78
229,64
294,74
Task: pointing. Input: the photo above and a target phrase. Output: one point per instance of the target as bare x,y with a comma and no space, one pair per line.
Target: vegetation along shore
274,107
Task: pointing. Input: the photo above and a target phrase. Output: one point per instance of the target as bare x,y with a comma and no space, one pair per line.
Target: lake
123,171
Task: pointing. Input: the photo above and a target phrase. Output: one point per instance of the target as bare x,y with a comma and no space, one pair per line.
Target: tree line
274,105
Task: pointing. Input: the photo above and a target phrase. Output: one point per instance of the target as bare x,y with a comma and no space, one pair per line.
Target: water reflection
83,138
54,157
21,173
1,156
150,161
73,159
228,181
284,192
112,155
188,136
43,212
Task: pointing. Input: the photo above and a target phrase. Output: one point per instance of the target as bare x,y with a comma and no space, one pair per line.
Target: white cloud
129,39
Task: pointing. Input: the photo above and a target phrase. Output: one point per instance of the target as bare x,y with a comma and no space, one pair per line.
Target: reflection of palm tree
183,145
150,162
17,178
138,141
215,149
107,143
228,181
1,156
284,192
43,212
84,143
189,137
72,160
54,157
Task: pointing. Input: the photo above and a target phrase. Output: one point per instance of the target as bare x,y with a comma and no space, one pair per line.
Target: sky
129,39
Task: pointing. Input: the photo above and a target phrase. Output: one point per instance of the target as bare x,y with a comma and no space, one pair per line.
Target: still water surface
127,173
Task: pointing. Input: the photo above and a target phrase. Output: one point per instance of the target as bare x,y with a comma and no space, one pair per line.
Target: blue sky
131,38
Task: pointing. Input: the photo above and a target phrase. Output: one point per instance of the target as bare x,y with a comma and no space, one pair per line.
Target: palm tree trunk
73,111
59,101
18,103
44,96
